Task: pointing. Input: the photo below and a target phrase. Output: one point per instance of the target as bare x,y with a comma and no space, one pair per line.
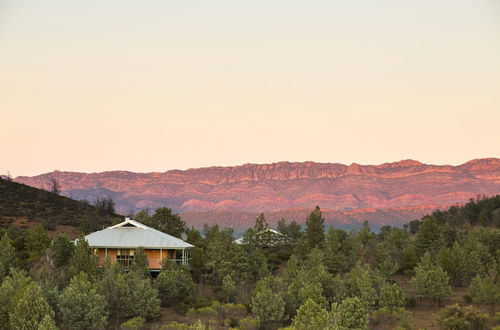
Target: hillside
396,192
32,205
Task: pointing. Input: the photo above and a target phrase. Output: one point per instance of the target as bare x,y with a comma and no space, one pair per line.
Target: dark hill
49,209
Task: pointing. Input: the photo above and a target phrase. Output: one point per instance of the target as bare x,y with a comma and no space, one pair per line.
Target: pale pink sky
92,86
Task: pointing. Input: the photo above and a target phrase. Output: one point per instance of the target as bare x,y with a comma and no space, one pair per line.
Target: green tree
361,282
430,281
168,222
140,263
350,314
174,282
429,237
29,309
484,290
460,264
228,289
8,256
315,228
392,297
82,260
224,257
267,302
292,230
116,292
62,250
81,306
11,286
144,296
37,241
310,316
337,250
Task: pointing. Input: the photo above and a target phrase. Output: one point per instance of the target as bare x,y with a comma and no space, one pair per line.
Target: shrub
134,323
248,323
456,317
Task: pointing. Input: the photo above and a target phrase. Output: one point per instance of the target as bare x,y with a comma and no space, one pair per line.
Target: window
125,257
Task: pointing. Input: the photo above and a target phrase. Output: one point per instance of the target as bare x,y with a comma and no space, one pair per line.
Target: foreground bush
457,317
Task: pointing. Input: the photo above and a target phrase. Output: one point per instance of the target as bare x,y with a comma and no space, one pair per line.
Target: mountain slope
252,188
19,201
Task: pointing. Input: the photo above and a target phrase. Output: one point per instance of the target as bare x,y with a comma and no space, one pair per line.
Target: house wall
154,256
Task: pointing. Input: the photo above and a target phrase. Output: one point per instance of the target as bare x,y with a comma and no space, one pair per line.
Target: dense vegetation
49,209
303,278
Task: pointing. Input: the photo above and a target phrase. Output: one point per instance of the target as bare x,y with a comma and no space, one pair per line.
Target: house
265,238
120,241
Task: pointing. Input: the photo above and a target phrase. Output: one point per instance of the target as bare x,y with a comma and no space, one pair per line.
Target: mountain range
390,193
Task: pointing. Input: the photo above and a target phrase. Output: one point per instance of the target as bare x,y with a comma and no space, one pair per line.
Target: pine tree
430,281
29,309
315,227
392,297
81,306
174,282
82,260
267,302
350,314
228,288
116,291
13,284
310,316
140,263
8,256
144,297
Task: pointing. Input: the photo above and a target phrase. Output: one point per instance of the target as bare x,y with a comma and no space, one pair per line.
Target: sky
157,85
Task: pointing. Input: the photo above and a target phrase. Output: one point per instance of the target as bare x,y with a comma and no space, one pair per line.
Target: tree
361,284
116,292
310,316
459,263
140,263
267,302
260,223
29,310
37,241
105,206
350,314
8,256
144,297
224,257
62,250
168,222
228,289
484,290
429,237
315,231
55,187
293,230
173,283
11,286
430,281
337,250
81,306
392,298
455,317
82,260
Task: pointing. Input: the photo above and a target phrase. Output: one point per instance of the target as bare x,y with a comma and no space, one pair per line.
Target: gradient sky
157,85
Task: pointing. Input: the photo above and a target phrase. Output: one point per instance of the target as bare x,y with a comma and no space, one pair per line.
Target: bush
249,324
456,317
134,323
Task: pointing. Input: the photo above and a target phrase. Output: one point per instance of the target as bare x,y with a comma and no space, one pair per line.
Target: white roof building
131,234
